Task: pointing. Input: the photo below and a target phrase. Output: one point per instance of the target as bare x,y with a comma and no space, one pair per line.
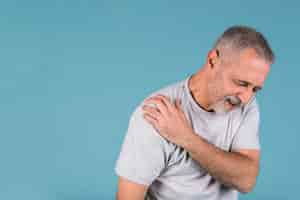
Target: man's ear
213,57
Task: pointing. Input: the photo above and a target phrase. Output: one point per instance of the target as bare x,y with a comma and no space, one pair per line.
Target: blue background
71,73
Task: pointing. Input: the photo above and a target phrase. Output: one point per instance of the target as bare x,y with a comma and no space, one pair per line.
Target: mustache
233,100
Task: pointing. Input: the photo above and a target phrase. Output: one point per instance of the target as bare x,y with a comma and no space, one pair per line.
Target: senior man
198,138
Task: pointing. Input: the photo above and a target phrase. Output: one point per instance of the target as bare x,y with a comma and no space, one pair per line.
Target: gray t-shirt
169,171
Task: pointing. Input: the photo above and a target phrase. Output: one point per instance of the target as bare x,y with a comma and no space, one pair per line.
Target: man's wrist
190,140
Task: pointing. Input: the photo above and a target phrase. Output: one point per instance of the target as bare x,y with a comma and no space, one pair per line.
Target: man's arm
128,190
238,169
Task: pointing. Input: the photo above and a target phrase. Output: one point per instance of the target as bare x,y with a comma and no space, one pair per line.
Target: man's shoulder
171,91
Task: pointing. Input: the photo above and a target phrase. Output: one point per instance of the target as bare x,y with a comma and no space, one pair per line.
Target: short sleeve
143,152
247,135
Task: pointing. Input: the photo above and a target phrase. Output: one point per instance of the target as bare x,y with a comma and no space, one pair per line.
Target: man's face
235,82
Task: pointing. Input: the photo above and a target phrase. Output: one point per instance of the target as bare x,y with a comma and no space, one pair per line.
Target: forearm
231,168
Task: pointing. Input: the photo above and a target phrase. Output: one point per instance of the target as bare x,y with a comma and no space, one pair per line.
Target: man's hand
168,119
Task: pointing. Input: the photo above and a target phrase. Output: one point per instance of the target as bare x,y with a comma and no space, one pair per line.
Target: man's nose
245,95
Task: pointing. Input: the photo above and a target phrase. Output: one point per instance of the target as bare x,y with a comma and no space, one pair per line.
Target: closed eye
241,83
247,84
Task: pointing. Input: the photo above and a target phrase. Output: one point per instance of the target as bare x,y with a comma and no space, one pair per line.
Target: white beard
220,106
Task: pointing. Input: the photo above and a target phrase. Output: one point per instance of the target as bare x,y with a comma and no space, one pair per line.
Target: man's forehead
248,59
248,53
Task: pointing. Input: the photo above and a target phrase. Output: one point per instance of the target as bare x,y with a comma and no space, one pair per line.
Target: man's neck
198,88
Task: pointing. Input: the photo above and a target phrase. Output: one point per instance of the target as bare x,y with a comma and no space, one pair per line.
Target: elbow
245,190
248,180
247,185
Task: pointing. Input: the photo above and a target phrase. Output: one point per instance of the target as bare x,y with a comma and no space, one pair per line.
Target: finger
149,109
159,104
166,101
151,120
154,113
178,104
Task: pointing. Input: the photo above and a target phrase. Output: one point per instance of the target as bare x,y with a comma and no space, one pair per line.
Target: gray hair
242,37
